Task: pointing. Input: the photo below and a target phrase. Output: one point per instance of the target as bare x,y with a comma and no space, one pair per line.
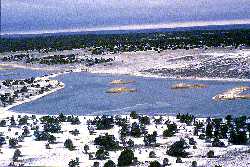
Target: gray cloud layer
28,15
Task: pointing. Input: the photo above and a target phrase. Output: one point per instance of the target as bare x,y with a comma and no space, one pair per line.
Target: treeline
130,42
55,59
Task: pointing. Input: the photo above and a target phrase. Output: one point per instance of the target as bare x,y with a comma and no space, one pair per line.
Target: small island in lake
233,94
120,90
119,81
188,86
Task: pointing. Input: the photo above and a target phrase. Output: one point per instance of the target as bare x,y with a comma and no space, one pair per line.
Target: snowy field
34,153
212,63
195,64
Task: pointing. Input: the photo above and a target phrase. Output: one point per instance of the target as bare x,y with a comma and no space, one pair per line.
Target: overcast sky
36,15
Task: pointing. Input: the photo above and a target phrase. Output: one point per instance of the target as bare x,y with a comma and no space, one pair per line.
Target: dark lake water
84,94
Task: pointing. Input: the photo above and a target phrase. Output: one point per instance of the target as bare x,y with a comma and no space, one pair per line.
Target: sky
22,16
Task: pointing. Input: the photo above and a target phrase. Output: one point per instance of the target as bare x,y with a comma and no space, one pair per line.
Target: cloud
30,15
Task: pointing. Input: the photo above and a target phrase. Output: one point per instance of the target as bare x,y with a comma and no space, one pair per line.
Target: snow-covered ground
202,64
177,62
34,153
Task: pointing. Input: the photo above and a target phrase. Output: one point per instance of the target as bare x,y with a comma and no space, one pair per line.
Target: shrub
69,144
166,162
144,120
178,149
239,137
52,127
12,121
209,130
75,132
73,120
154,164
240,122
16,155
90,156
23,120
49,119
86,148
42,136
101,154
229,119
47,146
185,118
51,139
133,115
150,139
192,141
172,128
152,154
202,136
135,130
158,121
194,164
74,163
178,160
126,158
2,141
130,143
13,142
210,154
109,163
25,131
121,121
218,143
103,123
143,129
224,131
108,142
2,123
96,164
62,117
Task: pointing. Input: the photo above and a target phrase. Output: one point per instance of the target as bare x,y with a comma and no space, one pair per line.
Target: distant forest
130,41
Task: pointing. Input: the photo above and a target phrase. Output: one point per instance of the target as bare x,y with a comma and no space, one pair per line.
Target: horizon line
134,27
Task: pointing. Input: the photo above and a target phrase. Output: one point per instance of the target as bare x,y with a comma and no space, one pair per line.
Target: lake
85,94
20,73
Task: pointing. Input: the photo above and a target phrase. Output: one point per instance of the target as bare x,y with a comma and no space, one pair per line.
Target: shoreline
53,75
149,75
91,71
4,109
7,108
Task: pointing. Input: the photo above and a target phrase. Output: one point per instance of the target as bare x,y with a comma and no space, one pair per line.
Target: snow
35,154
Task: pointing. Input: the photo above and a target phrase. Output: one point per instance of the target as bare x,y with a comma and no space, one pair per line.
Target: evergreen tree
126,158
109,163
209,130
